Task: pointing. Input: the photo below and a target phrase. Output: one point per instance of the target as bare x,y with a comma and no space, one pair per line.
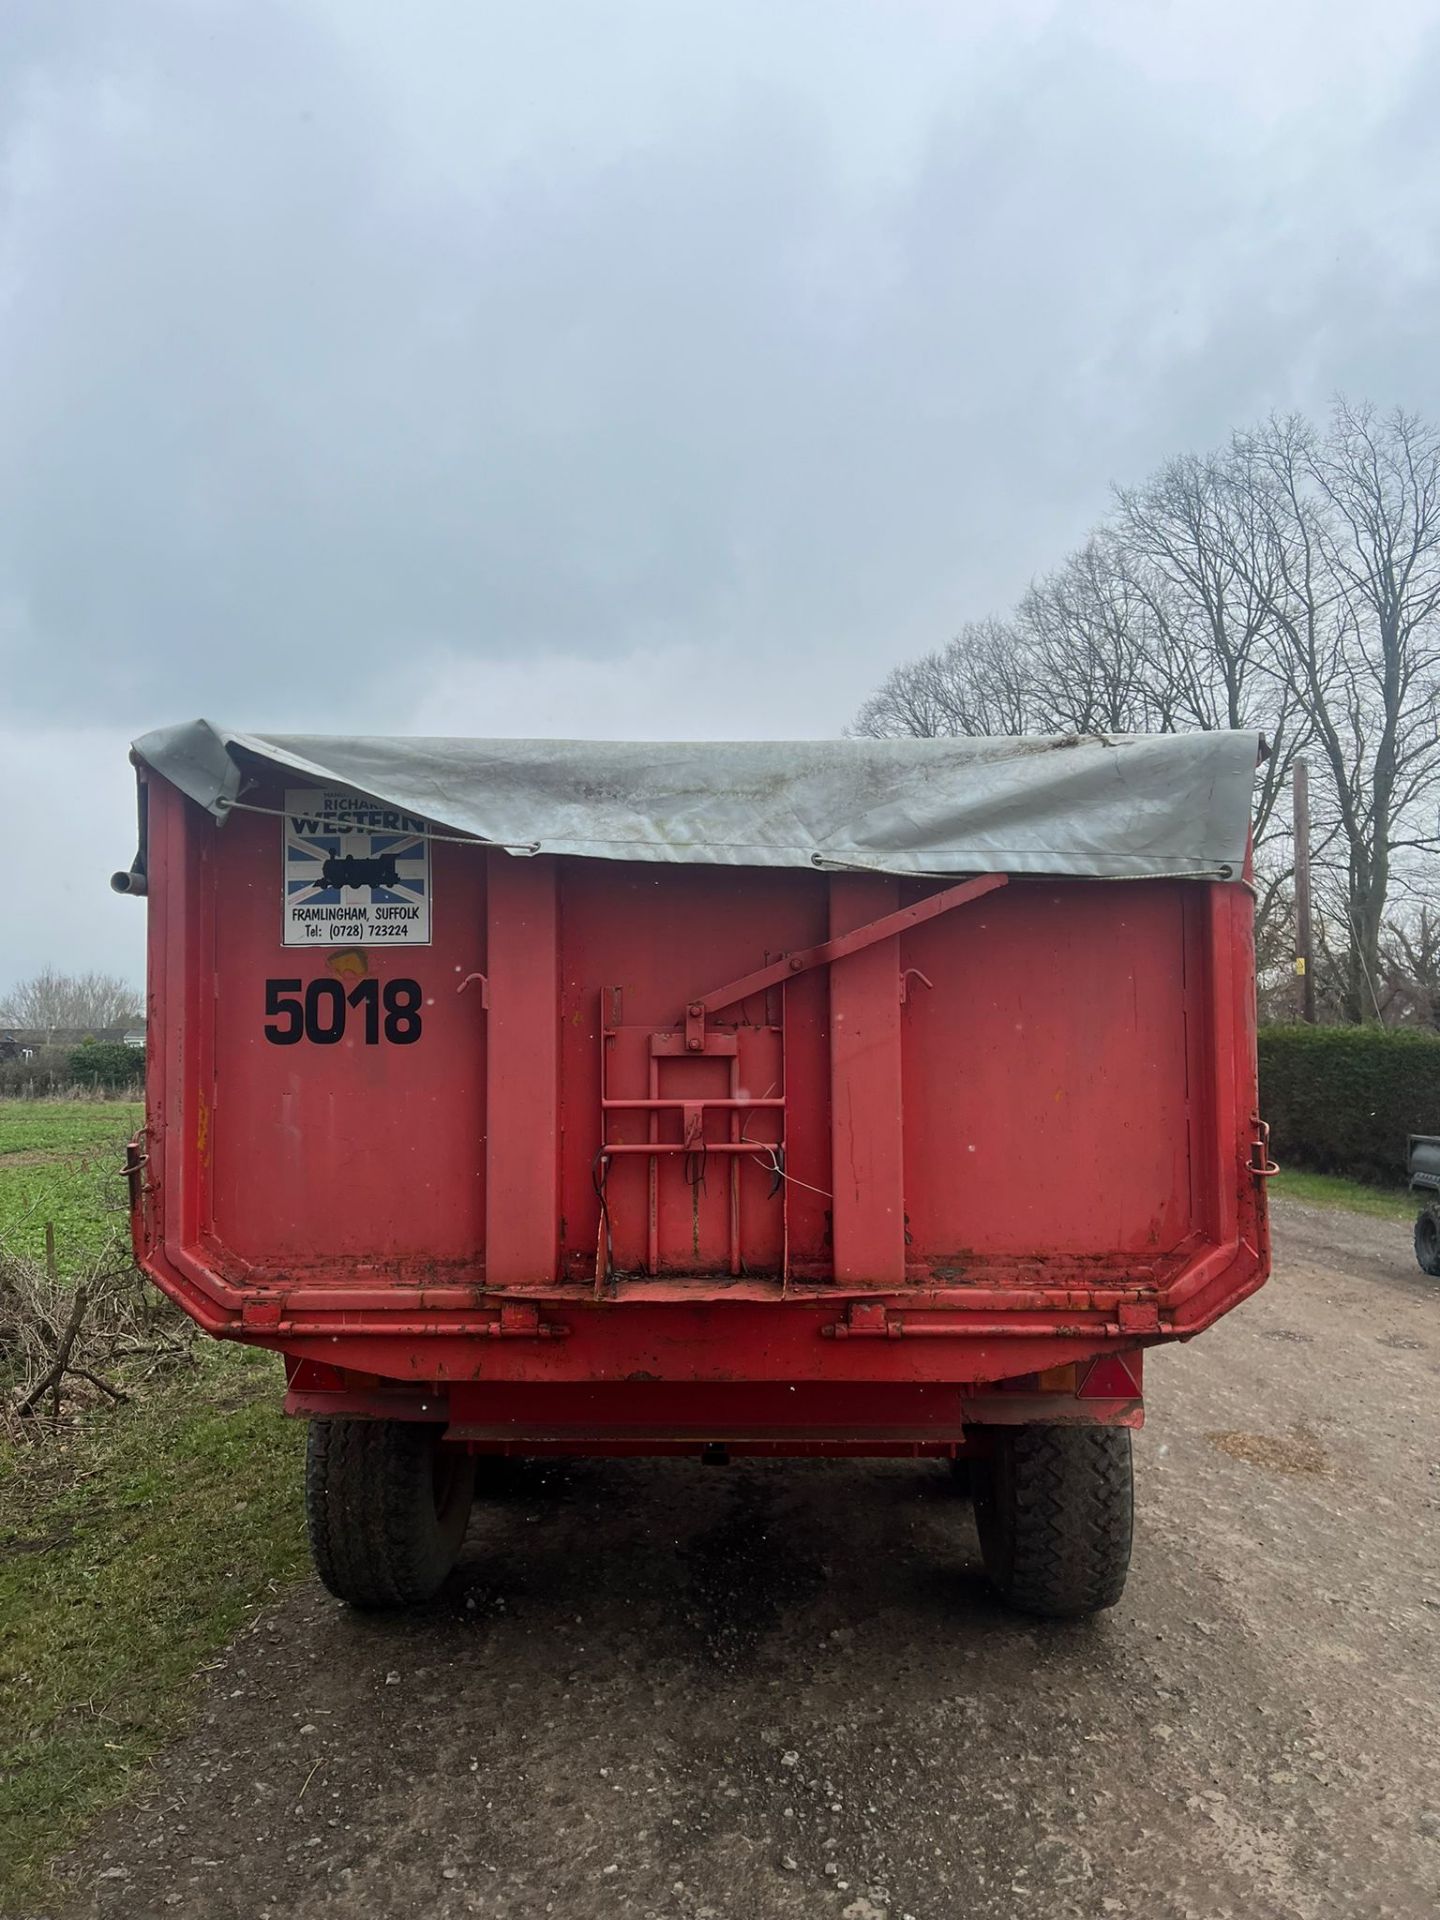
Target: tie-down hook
906,974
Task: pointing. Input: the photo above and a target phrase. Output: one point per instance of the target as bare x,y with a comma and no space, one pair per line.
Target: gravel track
657,1689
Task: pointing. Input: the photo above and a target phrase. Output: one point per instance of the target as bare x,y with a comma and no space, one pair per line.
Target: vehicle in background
1423,1159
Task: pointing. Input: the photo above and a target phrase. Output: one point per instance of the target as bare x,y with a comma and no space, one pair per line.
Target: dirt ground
688,1693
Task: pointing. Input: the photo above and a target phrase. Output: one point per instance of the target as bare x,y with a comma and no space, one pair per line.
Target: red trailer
858,1097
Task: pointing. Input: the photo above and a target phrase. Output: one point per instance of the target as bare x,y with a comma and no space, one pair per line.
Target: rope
822,860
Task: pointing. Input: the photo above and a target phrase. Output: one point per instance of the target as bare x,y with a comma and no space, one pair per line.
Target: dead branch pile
97,1335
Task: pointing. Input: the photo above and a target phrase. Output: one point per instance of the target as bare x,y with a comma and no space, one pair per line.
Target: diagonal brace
836,949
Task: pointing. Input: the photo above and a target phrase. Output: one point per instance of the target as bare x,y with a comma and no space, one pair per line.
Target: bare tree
1345,551
1290,584
1216,659
1410,968
1083,631
980,683
50,999
1187,535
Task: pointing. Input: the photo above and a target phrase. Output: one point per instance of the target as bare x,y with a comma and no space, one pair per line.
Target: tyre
1427,1238
386,1507
1054,1507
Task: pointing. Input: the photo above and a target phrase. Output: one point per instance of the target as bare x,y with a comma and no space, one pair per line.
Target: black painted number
318,1013
278,1001
402,1011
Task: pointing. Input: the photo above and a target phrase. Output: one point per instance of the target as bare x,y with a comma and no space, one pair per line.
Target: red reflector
1109,1378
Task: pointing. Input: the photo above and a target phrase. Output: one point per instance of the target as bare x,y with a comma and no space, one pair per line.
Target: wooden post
1304,943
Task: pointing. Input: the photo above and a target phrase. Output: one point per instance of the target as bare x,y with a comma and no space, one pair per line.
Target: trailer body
672,1155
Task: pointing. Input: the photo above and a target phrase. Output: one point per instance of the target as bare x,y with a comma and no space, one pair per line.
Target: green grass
1331,1190
65,1126
134,1541
124,1563
60,1163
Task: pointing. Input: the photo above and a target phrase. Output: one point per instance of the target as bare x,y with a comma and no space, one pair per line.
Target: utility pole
1304,945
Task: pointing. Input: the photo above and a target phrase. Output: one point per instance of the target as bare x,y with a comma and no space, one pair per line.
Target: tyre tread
1427,1238
1059,1523
374,1535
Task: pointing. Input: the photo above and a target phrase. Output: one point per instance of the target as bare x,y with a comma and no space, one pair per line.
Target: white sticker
357,873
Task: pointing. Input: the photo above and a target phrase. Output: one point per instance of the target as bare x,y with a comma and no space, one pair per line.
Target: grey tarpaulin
1114,806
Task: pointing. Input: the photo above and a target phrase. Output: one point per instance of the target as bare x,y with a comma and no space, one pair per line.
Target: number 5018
321,1011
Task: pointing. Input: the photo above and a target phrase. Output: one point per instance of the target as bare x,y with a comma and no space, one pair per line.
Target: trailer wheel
1054,1507
386,1508
1427,1238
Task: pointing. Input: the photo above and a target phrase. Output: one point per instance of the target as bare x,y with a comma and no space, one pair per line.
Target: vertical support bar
522,1092
180,978
164,1022
201,1018
867,1159
608,1023
734,1160
1230,1128
652,1190
784,1026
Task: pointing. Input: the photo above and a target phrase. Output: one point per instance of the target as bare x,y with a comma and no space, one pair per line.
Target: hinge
867,1319
261,1316
520,1319
695,1028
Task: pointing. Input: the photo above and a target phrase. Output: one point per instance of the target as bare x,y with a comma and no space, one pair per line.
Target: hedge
106,1063
1342,1099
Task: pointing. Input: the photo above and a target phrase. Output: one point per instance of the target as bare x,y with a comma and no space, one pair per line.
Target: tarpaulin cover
1117,806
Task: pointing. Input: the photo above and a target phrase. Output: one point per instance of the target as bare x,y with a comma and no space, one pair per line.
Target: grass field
134,1539
60,1163
1330,1190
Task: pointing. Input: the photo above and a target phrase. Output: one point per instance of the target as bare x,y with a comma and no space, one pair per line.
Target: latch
137,1158
1261,1165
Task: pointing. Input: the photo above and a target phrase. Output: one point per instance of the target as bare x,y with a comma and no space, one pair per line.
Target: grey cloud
807,347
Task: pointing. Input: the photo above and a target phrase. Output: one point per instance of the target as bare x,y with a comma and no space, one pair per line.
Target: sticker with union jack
356,872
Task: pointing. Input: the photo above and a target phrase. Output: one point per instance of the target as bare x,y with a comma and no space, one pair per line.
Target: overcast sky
629,367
